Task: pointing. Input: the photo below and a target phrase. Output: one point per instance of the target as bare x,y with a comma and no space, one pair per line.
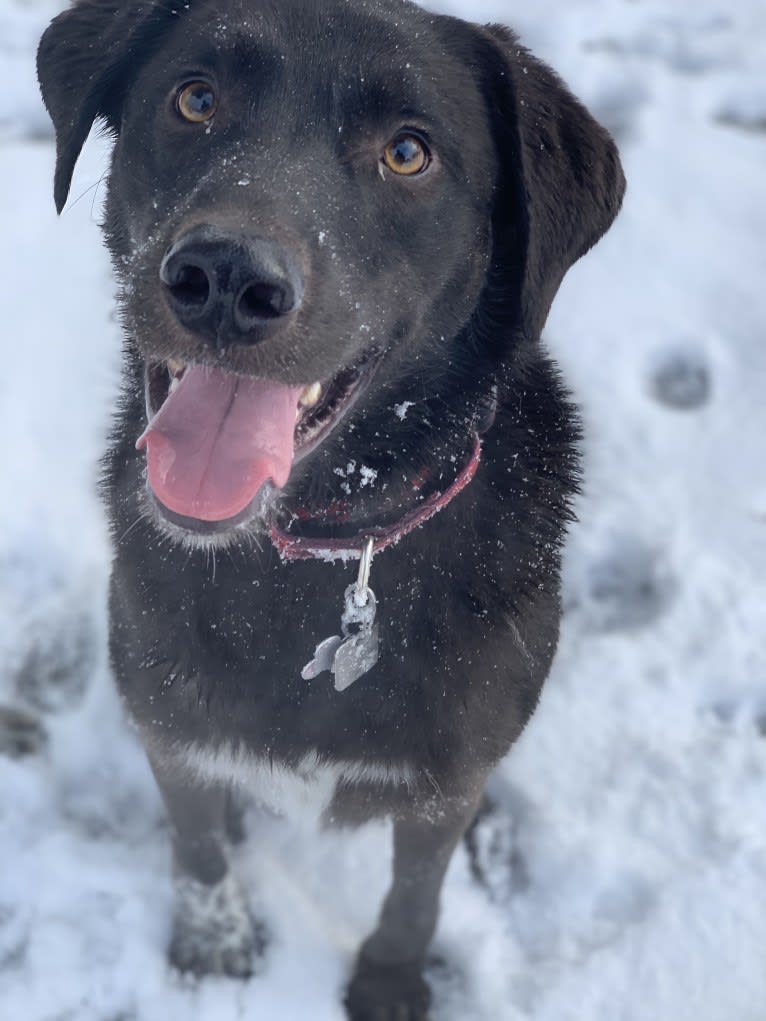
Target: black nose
229,288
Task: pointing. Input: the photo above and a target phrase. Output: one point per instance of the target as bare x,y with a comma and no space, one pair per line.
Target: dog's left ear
86,59
560,182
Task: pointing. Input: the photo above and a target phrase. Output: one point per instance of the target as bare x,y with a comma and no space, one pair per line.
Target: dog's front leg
213,932
388,983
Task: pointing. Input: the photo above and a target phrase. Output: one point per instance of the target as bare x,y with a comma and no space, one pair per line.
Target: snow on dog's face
305,197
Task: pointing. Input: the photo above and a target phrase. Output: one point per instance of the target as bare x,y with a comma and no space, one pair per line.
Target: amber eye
407,154
196,102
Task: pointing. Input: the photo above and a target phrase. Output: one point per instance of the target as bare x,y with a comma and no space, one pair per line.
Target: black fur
451,277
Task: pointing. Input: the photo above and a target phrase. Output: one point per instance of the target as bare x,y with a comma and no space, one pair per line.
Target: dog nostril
191,287
261,301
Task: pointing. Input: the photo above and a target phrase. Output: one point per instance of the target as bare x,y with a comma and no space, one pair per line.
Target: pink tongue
215,441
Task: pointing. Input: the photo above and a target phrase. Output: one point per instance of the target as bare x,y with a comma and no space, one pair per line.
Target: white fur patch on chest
302,793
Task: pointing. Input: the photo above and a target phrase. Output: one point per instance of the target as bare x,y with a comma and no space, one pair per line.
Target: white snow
368,475
400,410
633,810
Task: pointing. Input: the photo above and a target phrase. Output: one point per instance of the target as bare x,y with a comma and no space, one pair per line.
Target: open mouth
215,439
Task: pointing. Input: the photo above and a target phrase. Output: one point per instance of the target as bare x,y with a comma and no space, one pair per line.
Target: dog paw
387,992
20,734
213,931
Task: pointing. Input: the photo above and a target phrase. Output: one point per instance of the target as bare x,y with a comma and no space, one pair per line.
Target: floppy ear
561,183
86,59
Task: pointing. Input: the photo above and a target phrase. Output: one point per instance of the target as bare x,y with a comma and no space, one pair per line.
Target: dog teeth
310,395
175,367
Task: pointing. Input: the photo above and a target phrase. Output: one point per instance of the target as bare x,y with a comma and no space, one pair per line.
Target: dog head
309,197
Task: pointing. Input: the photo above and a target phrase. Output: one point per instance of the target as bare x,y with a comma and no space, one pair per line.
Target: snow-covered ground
625,867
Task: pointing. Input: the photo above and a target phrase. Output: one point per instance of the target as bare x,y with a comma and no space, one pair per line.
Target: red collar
300,547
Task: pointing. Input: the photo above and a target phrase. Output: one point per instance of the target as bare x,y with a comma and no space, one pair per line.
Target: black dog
338,228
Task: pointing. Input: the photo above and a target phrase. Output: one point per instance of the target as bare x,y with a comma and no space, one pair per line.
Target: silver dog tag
351,656
359,651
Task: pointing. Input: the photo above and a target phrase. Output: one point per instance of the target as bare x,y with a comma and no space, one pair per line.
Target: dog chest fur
304,793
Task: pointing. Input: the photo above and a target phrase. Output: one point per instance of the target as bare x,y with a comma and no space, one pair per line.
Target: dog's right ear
85,62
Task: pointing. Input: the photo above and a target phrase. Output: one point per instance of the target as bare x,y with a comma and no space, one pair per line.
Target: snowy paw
213,932
20,734
387,992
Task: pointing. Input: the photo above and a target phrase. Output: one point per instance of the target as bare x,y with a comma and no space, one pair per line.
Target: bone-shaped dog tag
324,657
355,656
